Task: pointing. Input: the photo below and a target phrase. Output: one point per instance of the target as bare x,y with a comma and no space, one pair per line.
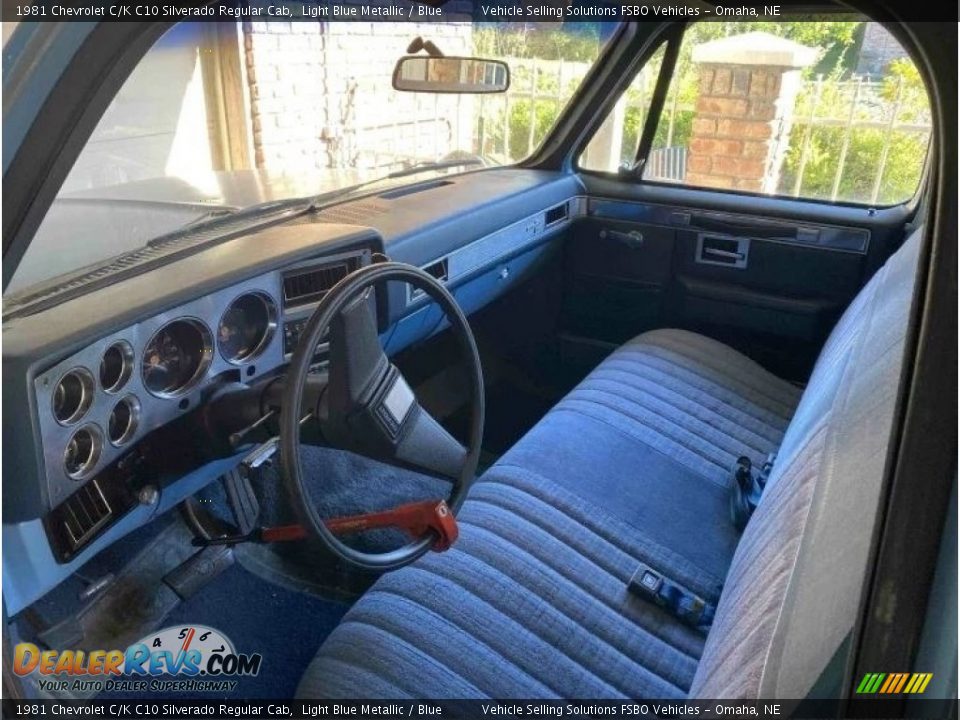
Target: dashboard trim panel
489,250
154,409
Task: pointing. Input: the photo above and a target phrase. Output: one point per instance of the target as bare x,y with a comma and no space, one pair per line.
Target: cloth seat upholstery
634,465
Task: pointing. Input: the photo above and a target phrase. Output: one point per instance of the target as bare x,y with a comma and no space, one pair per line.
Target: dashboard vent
309,285
438,270
555,214
83,514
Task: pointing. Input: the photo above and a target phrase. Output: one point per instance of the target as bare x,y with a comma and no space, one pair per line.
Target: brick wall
748,86
321,97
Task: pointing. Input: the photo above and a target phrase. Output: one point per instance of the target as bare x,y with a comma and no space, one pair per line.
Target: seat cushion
695,400
651,436
793,593
532,601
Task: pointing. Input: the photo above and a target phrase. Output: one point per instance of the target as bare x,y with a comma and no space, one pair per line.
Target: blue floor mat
286,627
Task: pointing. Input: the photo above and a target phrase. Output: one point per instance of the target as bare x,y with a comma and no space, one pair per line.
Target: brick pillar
748,86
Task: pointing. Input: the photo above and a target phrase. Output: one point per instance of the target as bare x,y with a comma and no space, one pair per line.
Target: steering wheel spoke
426,444
357,362
369,408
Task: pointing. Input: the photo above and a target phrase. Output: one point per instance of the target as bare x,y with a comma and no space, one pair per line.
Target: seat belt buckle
646,583
743,473
688,607
747,489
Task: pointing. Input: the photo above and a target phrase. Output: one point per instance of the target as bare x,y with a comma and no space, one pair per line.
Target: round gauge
246,327
116,365
72,396
123,420
176,357
82,452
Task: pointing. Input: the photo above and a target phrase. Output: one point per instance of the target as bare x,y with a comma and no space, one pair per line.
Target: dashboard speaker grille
84,513
309,285
354,213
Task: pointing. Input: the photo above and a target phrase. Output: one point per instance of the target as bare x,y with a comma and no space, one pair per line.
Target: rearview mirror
421,73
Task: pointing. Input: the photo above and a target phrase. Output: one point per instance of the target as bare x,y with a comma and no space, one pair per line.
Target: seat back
792,593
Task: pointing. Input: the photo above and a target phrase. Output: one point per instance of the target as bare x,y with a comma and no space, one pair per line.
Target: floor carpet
286,627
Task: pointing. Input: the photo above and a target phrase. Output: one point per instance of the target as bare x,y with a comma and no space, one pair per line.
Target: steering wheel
368,407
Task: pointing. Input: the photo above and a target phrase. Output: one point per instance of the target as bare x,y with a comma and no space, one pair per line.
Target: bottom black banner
470,709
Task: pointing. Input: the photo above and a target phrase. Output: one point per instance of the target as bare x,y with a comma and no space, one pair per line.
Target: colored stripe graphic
918,683
894,683
903,681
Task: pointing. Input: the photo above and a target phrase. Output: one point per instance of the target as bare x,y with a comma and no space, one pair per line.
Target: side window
615,143
830,111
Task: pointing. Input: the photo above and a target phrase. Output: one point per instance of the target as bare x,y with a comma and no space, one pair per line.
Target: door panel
778,308
768,276
617,275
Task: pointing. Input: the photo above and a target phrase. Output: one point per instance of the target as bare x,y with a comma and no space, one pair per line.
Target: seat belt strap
747,488
688,607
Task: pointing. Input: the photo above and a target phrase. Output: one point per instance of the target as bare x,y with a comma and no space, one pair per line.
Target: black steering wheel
367,407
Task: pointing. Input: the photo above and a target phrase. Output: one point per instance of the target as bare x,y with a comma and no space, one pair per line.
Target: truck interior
641,409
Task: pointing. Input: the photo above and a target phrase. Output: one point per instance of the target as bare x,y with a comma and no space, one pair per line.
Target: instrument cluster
97,403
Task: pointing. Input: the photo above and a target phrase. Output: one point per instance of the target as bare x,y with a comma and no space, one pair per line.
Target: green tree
884,155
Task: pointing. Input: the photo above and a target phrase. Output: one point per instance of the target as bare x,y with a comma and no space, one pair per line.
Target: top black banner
520,11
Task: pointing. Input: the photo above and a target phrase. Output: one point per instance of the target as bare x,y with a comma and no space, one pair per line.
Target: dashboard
112,375
98,403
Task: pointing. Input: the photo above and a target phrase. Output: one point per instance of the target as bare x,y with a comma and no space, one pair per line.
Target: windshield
218,117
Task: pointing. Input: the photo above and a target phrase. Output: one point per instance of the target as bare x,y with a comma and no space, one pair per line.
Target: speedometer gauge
247,327
176,357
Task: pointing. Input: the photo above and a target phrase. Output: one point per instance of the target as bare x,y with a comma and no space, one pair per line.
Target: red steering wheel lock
416,519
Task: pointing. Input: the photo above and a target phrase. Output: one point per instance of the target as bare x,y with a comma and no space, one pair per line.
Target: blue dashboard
105,374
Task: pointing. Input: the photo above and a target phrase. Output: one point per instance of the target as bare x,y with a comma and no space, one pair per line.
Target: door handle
725,254
722,250
633,239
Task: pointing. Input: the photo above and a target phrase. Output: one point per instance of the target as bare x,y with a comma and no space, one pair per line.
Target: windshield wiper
231,215
317,201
